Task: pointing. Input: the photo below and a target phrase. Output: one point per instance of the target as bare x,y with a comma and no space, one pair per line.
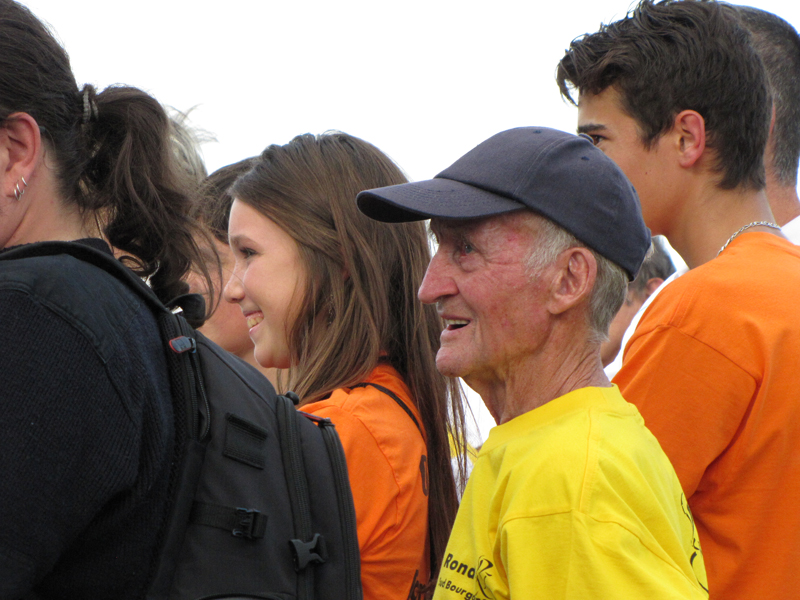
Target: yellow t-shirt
574,499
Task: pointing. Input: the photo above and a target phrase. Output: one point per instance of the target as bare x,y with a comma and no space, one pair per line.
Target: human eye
595,138
465,246
242,251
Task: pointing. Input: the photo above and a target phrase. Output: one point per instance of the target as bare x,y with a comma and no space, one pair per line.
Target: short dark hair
656,264
676,55
778,45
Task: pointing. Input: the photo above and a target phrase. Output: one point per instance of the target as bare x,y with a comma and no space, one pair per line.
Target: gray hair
611,284
186,141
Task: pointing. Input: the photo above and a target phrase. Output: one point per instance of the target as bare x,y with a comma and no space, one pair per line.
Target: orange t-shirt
386,461
714,368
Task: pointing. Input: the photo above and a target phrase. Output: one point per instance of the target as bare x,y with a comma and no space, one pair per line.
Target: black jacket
86,433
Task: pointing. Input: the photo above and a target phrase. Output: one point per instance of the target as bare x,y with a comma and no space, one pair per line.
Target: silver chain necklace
748,226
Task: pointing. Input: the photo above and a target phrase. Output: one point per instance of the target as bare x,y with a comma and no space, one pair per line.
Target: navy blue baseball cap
558,175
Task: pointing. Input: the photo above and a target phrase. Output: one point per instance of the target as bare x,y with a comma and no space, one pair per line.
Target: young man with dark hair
778,45
677,96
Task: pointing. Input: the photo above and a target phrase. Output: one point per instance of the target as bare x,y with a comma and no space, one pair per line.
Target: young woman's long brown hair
360,305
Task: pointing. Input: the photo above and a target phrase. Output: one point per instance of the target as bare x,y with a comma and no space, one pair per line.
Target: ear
20,151
652,285
574,280
772,120
690,128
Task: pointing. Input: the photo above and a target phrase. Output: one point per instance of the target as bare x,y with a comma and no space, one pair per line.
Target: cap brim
440,198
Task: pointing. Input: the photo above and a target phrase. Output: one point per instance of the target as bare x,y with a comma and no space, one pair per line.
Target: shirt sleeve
579,557
692,397
66,447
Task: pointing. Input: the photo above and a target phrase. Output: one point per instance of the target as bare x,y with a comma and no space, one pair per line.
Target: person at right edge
677,96
778,45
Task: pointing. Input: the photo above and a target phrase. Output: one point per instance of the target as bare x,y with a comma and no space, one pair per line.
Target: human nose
437,283
234,289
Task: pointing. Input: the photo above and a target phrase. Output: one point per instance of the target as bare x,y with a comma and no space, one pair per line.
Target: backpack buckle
250,524
308,552
183,344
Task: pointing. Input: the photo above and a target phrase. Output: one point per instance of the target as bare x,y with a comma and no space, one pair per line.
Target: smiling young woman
331,294
225,325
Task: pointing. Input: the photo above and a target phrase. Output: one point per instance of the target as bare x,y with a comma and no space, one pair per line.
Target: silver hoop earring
19,191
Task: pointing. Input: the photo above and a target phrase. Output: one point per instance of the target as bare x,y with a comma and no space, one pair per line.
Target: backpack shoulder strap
93,256
394,397
185,377
308,547
344,495
415,586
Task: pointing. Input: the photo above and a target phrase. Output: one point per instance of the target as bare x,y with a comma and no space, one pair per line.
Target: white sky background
425,81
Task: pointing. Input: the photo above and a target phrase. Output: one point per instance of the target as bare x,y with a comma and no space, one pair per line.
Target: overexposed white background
424,81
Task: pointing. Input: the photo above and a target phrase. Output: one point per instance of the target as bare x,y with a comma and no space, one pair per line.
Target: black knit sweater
86,433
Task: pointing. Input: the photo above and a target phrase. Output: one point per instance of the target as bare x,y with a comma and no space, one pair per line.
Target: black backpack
261,505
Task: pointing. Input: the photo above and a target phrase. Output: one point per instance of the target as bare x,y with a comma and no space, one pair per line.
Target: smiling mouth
452,324
253,321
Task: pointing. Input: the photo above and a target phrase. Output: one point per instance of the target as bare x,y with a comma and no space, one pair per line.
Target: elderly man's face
493,307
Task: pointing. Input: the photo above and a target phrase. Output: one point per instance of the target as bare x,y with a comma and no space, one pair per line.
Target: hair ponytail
131,179
110,151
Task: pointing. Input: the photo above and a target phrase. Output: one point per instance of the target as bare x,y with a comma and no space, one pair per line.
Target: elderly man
571,496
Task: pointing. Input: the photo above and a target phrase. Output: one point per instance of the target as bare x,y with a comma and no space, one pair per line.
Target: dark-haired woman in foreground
86,422
331,295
